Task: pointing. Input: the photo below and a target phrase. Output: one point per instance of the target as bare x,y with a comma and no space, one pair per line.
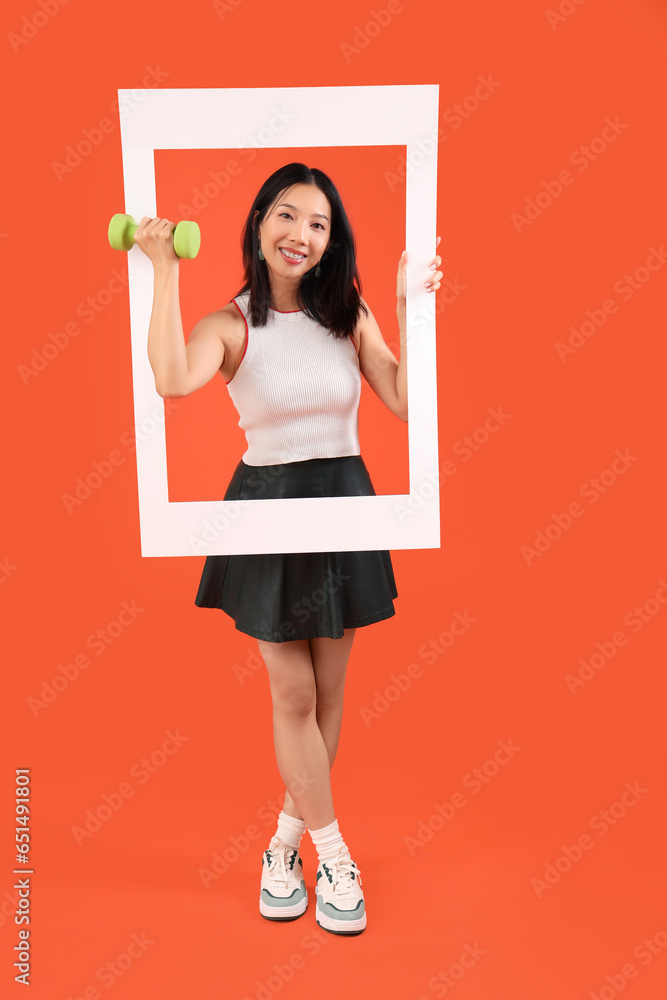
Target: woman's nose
299,232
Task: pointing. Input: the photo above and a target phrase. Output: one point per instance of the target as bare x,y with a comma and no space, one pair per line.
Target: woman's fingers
434,280
154,238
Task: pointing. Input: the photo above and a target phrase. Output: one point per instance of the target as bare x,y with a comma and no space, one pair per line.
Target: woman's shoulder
228,323
235,307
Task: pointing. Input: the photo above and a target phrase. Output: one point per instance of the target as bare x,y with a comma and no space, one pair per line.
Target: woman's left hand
433,281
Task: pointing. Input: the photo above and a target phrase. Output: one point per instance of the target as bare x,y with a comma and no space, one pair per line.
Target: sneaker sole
283,912
341,926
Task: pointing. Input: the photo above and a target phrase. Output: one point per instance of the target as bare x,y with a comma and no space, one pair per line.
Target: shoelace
277,866
342,867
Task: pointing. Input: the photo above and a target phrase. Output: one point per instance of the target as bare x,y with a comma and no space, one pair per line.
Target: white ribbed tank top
296,390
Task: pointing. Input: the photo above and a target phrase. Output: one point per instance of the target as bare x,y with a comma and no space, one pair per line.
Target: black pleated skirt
300,595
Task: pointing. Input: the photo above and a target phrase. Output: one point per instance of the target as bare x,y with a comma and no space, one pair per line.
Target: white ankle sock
290,829
327,840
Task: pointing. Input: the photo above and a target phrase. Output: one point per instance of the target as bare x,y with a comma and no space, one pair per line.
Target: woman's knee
296,702
291,678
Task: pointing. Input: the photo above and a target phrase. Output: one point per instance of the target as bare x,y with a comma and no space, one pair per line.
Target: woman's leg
307,679
330,658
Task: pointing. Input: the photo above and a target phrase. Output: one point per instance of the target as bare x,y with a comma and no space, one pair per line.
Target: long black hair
333,298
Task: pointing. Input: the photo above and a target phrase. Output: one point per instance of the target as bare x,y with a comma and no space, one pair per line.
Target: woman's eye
286,215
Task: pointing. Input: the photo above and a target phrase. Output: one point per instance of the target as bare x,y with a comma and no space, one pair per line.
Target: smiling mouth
291,255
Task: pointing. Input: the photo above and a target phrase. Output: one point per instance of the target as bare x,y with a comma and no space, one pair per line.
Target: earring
261,255
317,271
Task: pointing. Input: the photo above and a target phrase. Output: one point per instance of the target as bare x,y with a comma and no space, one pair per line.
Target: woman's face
296,231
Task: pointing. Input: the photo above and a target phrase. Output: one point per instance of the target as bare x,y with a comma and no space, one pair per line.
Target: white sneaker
283,893
340,900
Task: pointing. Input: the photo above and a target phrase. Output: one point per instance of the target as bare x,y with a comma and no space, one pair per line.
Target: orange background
476,883
204,441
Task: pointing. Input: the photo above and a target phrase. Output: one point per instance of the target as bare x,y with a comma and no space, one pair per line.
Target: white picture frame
324,116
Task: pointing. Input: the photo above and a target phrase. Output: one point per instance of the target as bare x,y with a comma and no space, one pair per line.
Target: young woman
291,346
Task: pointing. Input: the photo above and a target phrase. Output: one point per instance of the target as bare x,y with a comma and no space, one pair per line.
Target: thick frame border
325,116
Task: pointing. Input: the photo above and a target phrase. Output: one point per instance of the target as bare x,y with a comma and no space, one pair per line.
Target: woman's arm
385,375
179,369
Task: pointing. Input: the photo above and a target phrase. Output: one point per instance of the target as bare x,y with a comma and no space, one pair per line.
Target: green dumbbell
187,237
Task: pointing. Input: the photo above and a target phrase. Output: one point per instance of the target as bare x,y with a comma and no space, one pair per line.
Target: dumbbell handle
131,228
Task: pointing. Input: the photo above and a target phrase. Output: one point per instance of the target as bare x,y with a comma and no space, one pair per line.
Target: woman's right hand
154,237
